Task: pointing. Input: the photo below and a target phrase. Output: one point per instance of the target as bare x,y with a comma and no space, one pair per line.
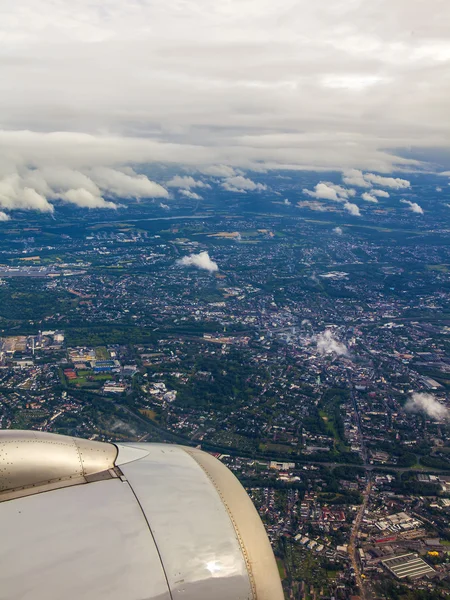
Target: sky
92,88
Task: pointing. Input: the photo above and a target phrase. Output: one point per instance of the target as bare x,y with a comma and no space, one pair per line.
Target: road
352,549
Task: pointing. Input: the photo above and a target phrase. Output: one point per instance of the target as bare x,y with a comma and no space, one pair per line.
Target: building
281,466
408,565
112,387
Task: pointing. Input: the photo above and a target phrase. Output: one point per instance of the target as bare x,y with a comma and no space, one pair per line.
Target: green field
101,353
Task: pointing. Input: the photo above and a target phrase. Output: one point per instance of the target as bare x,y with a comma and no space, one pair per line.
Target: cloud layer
88,86
39,187
200,260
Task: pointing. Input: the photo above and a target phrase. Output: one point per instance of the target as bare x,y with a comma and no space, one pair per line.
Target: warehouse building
408,565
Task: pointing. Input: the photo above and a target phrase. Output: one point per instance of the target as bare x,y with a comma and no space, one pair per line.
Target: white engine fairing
94,521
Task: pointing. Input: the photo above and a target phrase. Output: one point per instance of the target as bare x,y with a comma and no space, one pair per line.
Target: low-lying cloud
242,184
328,344
335,193
338,230
326,191
219,171
367,180
392,182
39,188
189,194
352,208
369,197
4,216
427,403
186,182
413,207
86,199
380,193
201,261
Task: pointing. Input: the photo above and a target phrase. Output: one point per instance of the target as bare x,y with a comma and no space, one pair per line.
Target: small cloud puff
392,182
328,344
191,195
367,180
187,182
427,403
329,191
219,171
369,197
353,209
201,261
413,207
324,192
355,177
338,230
242,184
4,216
380,193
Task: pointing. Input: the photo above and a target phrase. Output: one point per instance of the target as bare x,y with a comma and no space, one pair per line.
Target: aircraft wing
90,520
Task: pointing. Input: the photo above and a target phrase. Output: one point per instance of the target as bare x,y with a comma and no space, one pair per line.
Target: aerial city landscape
295,325
225,246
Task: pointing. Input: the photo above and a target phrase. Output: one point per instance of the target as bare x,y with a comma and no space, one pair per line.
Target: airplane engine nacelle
90,520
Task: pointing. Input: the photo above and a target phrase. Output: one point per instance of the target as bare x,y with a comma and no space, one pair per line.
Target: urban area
308,352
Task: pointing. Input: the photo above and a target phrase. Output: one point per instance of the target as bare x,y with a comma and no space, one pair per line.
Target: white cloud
341,191
330,191
219,171
391,182
355,177
14,195
238,183
287,202
201,261
126,184
86,199
367,180
37,188
351,82
369,197
353,209
186,182
4,216
328,344
179,102
189,194
164,206
413,207
338,230
323,191
380,193
427,403
438,188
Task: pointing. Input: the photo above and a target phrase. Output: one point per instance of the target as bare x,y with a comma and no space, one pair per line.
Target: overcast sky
97,84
